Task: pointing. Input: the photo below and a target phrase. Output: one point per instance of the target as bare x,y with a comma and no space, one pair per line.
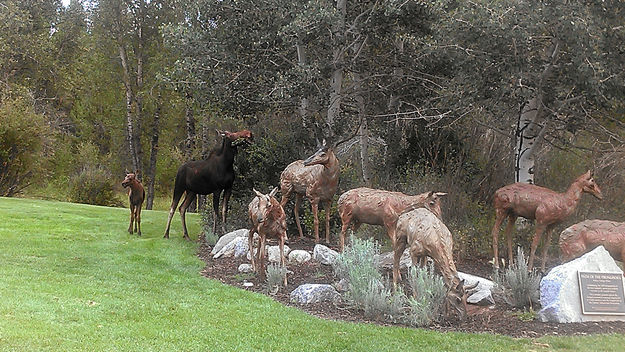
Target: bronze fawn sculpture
378,207
213,175
426,235
547,207
268,220
587,235
136,195
316,178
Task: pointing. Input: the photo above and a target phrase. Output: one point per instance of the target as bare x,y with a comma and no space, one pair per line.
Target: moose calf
587,235
267,218
136,195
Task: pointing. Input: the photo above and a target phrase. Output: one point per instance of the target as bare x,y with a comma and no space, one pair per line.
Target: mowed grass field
73,279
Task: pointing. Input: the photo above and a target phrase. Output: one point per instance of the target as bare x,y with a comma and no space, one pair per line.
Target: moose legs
135,217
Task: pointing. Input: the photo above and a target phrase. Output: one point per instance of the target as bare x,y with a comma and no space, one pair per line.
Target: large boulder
299,256
560,293
482,293
237,247
227,238
324,255
314,293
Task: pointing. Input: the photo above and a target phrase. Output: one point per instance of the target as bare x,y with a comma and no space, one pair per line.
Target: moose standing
532,202
136,195
317,178
213,175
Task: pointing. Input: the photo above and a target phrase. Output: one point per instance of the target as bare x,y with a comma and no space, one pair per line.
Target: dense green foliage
434,88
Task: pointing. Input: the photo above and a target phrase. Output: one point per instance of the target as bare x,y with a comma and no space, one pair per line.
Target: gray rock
385,260
324,255
483,295
559,290
314,293
299,256
245,268
273,253
239,244
227,238
342,285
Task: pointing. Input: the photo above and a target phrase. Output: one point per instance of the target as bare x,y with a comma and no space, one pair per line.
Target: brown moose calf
136,195
267,218
590,234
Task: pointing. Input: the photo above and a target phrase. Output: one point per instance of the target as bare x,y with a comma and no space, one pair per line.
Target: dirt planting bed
500,319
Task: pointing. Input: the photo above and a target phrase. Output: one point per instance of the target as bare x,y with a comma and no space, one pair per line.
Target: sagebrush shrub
427,297
275,276
206,220
93,185
519,286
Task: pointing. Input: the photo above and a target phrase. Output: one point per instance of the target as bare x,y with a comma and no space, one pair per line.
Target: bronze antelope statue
317,178
213,175
426,235
547,207
585,236
136,195
378,207
268,220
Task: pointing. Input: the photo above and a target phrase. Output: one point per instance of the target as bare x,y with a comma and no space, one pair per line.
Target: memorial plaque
601,293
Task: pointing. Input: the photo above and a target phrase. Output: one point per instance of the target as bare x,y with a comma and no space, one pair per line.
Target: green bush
519,286
428,295
93,185
275,276
23,135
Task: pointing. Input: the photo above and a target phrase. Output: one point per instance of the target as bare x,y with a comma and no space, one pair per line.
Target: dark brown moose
136,195
547,207
585,236
268,220
213,175
426,235
378,207
317,178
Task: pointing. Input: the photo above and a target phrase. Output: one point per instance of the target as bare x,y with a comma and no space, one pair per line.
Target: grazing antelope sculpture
268,220
213,175
378,207
585,236
547,207
317,178
136,195
426,235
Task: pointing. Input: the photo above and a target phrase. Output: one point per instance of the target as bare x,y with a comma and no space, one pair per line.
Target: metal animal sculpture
547,207
585,236
213,175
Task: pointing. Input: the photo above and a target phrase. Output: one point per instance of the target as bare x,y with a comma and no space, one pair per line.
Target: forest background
455,96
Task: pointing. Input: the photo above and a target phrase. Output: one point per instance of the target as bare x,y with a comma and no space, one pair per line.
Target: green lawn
73,279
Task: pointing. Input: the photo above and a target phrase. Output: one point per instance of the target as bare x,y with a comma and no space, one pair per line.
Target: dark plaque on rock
601,293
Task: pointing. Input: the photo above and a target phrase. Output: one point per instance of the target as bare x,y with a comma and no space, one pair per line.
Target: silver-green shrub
428,295
519,286
275,276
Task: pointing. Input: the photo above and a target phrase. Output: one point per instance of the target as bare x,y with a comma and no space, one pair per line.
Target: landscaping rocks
227,238
385,260
273,253
238,245
560,293
483,295
299,256
245,268
314,293
324,255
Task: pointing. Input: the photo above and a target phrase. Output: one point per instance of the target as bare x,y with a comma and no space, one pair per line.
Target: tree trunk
130,131
139,79
304,103
336,81
151,174
531,124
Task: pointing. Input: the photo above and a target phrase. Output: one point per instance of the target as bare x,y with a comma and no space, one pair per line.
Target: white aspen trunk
529,129
151,174
304,103
130,133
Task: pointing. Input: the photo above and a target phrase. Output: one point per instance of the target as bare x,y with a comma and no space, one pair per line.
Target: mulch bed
500,319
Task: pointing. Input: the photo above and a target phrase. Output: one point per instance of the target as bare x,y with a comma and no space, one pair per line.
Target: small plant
519,286
206,219
275,276
428,295
93,185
